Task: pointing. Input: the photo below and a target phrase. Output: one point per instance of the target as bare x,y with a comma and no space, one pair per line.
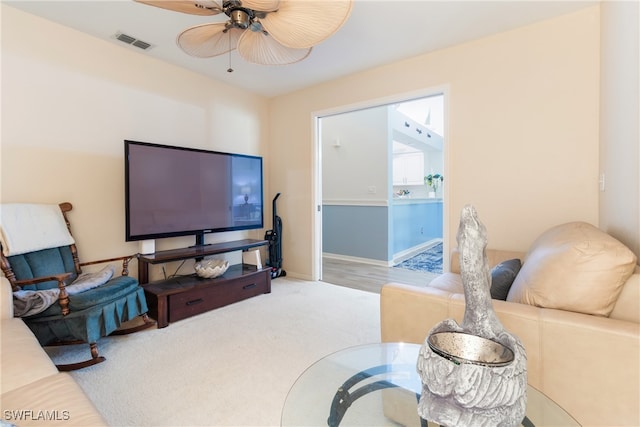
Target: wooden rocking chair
49,274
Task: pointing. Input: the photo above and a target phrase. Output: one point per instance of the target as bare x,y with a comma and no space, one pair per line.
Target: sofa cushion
23,360
56,400
628,303
450,282
502,277
574,267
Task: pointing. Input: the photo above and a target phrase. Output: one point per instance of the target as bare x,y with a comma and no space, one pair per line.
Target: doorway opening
381,190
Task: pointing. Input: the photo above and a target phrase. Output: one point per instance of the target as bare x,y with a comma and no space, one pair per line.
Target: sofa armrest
494,256
591,367
407,313
6,299
585,363
58,393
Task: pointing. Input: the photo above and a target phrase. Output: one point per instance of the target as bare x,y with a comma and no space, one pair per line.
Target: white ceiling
378,32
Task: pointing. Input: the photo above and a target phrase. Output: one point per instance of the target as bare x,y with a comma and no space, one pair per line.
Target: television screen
175,191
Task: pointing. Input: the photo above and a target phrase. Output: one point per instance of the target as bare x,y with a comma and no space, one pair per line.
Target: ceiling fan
267,32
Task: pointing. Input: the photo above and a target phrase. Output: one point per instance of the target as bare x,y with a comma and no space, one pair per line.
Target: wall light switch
602,182
372,189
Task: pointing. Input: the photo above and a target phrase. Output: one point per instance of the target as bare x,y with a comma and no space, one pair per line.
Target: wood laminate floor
368,277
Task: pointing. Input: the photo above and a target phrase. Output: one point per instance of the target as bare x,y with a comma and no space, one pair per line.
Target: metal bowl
460,347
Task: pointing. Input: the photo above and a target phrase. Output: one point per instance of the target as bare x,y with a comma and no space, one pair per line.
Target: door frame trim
316,250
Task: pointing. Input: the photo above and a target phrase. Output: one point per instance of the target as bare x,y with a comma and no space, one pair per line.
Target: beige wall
68,102
523,127
364,150
523,132
619,121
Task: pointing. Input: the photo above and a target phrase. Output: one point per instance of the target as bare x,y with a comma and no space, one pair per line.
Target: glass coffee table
378,385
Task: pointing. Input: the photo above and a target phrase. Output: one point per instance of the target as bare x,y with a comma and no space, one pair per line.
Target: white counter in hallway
414,201
380,232
416,221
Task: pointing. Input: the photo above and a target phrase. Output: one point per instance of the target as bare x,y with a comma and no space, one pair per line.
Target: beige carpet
229,367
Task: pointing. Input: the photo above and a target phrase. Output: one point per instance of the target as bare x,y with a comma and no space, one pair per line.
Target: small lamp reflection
246,191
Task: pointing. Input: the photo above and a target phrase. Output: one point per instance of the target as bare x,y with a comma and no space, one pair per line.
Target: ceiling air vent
125,38
141,44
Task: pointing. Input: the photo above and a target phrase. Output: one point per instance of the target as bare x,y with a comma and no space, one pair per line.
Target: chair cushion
574,267
29,303
112,290
46,262
92,323
502,277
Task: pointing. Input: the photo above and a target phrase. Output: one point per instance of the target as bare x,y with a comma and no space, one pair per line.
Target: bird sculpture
473,374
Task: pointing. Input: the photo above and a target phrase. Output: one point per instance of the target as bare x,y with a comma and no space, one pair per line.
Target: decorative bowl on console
211,268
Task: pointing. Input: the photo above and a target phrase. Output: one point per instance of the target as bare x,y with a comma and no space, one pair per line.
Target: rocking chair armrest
63,298
125,262
60,278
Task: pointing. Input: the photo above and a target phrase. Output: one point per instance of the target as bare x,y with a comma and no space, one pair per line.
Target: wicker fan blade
192,7
262,49
302,24
261,5
207,40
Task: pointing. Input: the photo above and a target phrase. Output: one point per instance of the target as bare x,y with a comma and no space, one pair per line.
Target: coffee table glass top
378,385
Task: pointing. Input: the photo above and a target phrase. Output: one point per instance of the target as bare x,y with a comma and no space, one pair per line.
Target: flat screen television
175,191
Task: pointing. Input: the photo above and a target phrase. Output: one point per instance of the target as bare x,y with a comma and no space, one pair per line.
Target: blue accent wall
415,224
380,232
356,231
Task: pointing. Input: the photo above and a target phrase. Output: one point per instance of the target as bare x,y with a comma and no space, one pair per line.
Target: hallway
370,278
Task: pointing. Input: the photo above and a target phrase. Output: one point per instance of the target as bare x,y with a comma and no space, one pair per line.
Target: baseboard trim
411,252
348,258
397,258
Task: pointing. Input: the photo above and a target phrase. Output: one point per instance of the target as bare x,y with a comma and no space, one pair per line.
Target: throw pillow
502,276
87,281
574,267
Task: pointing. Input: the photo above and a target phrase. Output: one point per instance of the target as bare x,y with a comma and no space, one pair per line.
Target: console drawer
216,293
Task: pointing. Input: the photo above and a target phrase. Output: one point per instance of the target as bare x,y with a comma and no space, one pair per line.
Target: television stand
180,297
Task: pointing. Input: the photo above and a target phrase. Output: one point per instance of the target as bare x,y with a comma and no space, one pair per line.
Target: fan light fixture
267,32
240,18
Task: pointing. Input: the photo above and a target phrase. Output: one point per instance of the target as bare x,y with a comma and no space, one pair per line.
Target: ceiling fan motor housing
241,17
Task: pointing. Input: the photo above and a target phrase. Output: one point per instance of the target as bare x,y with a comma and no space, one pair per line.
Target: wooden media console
180,297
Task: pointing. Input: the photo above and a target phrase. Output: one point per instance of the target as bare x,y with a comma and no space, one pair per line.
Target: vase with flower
433,182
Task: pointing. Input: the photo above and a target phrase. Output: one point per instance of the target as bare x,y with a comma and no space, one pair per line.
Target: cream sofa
32,391
589,364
